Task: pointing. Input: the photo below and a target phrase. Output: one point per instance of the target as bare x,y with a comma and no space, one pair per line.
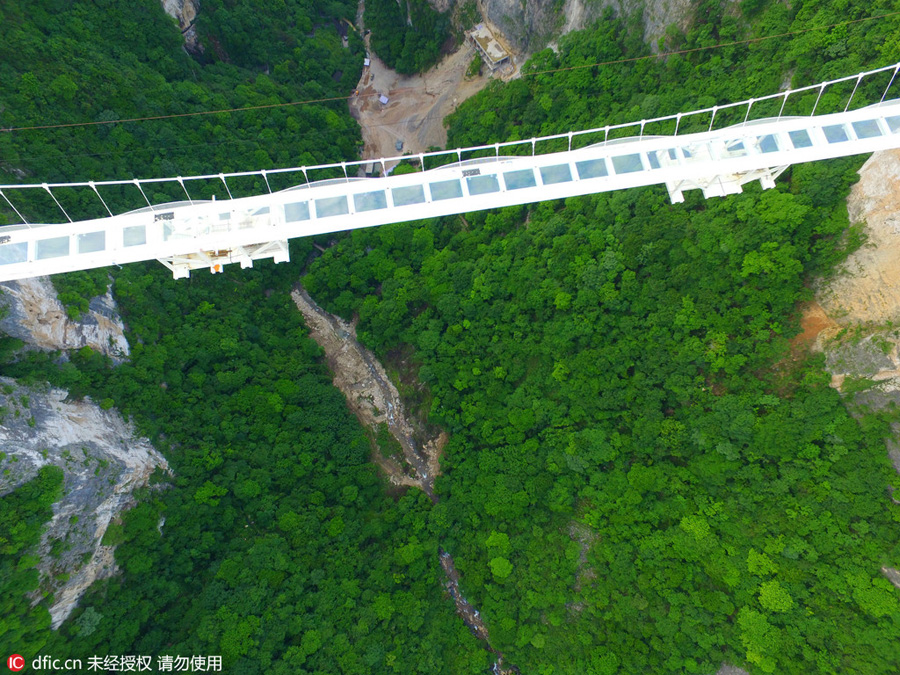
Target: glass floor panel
91,242
560,173
836,133
445,189
296,212
332,206
591,168
735,148
370,201
893,124
405,196
768,143
482,185
627,164
800,139
866,129
52,248
516,180
13,253
134,236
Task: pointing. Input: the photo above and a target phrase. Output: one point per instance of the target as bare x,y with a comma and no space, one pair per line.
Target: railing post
222,176
747,115
713,119
821,89
783,103
884,95
183,187
677,123
266,178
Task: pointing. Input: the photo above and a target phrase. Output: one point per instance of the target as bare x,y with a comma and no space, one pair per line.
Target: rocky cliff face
186,12
868,289
37,317
529,25
103,462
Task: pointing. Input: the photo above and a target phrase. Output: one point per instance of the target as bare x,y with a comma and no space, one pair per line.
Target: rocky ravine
372,396
374,400
185,11
103,462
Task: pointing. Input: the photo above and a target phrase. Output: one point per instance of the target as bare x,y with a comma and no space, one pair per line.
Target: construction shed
492,52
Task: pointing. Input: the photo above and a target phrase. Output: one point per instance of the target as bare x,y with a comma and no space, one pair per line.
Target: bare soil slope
869,288
416,107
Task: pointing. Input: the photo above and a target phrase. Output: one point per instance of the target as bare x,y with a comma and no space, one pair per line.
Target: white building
492,52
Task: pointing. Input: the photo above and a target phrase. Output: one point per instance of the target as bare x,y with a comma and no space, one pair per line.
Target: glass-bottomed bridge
716,150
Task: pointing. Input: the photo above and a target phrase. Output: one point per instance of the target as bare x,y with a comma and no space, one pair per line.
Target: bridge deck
207,234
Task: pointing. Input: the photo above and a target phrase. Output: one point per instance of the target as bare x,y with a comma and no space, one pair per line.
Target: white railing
534,146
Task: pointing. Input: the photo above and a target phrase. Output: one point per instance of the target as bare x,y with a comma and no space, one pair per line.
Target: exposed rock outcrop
103,462
869,288
529,25
36,316
372,396
186,13
865,297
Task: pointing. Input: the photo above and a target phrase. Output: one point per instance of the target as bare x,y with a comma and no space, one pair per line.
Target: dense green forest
641,477
64,62
22,517
406,35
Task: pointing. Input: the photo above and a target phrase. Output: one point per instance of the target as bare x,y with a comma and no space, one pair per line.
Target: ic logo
15,663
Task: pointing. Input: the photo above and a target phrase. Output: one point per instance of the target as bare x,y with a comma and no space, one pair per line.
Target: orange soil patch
814,322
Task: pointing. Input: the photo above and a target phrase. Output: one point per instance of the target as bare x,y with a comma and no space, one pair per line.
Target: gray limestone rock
36,316
103,462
